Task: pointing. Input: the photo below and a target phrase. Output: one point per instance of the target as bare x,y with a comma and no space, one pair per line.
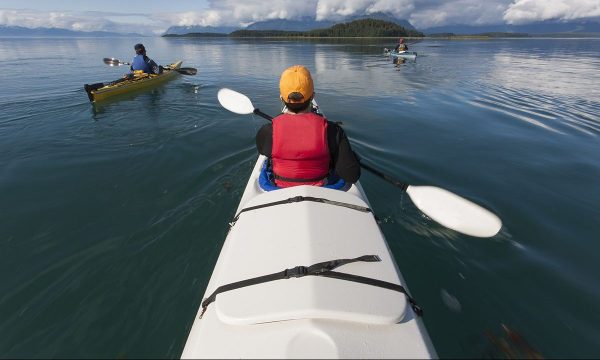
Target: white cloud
57,19
339,9
83,21
236,13
469,12
525,11
422,14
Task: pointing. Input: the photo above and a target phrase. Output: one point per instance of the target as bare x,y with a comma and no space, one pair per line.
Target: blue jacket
142,62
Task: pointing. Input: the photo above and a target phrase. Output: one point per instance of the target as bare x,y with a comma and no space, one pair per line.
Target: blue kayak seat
266,181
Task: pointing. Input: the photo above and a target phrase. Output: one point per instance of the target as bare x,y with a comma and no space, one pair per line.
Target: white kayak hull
311,316
409,55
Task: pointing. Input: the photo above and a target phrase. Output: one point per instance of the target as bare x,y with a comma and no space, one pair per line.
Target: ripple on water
544,111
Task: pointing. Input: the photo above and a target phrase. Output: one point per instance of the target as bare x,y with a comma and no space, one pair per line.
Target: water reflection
544,90
566,75
510,344
150,98
398,61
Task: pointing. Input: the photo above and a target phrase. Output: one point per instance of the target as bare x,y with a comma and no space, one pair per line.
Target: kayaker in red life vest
401,46
305,148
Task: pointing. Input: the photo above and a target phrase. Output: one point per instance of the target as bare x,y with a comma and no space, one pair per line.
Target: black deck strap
319,269
296,199
379,283
322,267
298,271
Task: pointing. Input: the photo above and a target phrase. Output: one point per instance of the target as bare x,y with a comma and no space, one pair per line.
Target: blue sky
154,16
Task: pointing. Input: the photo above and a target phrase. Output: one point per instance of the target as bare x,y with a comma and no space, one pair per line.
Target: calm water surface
112,216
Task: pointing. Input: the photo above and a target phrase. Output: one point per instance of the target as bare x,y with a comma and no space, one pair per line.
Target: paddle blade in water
235,101
454,212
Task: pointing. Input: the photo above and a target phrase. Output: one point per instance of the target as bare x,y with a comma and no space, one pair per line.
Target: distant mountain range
303,24
550,27
180,30
41,31
542,27
585,27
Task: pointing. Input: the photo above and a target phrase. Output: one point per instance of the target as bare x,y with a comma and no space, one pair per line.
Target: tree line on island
357,28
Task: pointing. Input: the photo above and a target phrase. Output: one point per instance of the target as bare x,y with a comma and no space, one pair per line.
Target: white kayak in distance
265,300
409,55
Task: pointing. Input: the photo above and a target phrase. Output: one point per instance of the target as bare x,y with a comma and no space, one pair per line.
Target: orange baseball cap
296,84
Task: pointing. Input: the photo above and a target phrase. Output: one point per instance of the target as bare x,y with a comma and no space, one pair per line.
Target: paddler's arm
264,140
345,162
129,75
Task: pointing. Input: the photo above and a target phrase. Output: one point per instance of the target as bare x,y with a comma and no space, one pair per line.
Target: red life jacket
300,153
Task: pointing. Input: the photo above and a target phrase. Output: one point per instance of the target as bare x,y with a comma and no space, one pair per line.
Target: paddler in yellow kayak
141,63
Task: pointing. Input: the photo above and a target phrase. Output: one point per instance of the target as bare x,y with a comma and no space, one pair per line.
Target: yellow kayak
101,91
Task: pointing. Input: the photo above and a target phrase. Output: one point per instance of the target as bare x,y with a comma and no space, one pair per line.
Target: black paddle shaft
391,180
263,115
184,70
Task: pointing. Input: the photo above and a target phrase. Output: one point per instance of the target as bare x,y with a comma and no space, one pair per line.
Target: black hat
139,48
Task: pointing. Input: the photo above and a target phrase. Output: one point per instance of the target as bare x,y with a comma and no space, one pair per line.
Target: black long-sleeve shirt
343,159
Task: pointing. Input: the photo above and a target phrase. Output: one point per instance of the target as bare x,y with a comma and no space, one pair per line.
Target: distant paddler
401,46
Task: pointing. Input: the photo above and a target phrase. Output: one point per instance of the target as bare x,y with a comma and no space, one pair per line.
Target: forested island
357,28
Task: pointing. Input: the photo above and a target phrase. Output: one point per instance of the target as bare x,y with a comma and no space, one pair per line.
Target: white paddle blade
235,101
454,212
112,61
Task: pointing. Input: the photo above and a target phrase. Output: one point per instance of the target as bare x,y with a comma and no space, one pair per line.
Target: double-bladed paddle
184,71
443,206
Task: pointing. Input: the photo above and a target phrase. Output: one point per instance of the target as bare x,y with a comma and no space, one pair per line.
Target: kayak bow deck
123,86
295,316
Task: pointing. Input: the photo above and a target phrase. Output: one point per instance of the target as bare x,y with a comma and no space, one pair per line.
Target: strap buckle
298,271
